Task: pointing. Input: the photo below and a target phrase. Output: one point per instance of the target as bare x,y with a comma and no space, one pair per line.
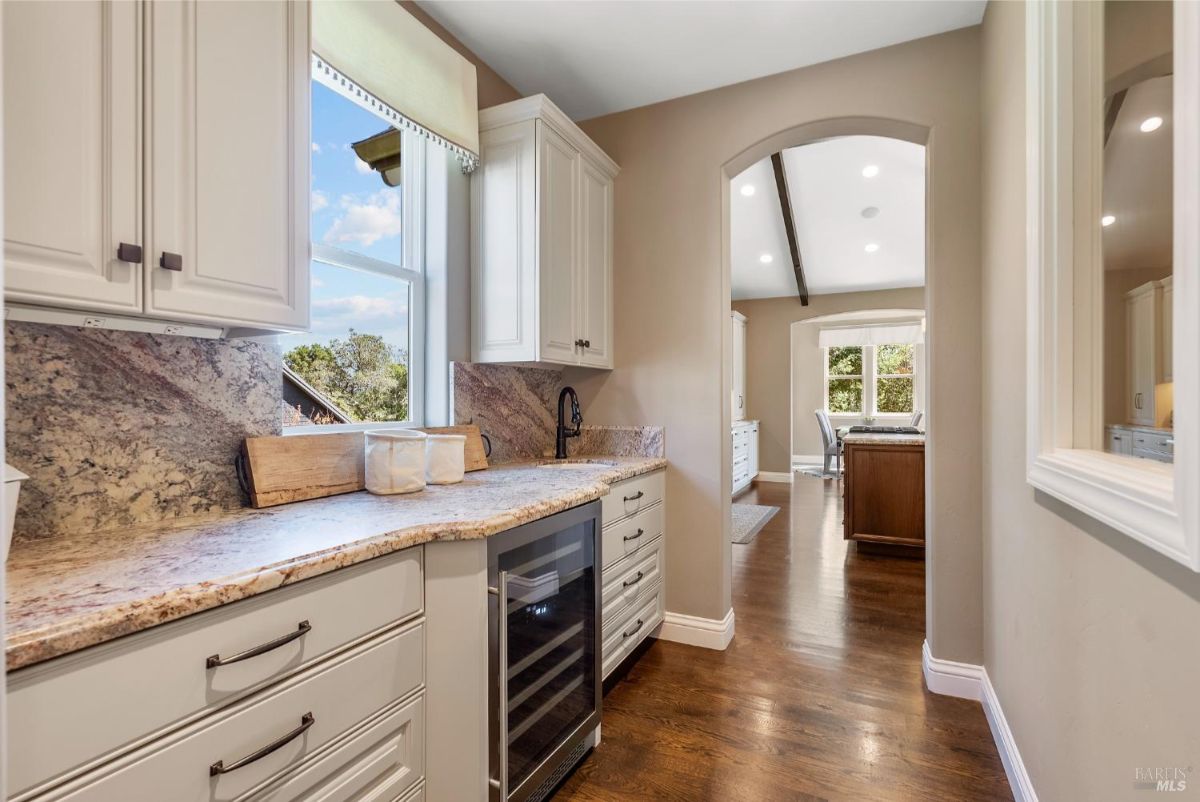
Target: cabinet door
1142,357
1167,330
558,193
739,367
752,454
595,266
72,153
228,162
504,246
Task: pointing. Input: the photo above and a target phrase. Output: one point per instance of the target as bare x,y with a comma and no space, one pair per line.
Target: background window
844,379
356,365
894,367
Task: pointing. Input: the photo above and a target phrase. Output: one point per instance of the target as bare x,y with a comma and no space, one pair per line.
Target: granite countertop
887,439
66,593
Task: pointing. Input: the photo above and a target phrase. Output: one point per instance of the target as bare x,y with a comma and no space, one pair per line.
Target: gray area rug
813,470
749,519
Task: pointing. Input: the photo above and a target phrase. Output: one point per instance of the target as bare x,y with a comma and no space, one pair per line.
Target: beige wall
493,89
672,295
784,371
1089,638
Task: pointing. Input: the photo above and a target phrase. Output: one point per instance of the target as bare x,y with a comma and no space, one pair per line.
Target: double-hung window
868,381
361,364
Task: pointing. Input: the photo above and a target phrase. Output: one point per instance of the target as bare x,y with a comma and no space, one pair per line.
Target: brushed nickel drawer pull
640,532
216,661
633,631
633,581
635,496
219,768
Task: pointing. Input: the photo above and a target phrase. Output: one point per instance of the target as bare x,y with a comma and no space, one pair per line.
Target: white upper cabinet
72,153
541,240
228,155
737,322
203,175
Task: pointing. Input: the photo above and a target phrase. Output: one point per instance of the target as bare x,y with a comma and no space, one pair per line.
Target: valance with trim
382,58
891,333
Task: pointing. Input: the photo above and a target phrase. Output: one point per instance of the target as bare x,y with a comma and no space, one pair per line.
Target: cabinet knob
587,343
129,253
171,261
579,343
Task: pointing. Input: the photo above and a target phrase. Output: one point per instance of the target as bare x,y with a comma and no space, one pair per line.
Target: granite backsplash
117,428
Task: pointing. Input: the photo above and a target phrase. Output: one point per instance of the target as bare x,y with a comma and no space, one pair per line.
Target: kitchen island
885,491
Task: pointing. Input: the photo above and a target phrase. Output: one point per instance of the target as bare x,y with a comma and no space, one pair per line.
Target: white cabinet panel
541,240
227,163
1144,352
558,190
738,335
595,266
1167,329
72,153
504,247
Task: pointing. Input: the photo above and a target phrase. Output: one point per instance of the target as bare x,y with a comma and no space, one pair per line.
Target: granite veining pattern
73,591
516,407
120,428
621,441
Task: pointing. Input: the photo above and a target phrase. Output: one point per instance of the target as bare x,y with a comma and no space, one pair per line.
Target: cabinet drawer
632,496
1162,443
629,631
631,535
380,762
339,694
625,586
160,677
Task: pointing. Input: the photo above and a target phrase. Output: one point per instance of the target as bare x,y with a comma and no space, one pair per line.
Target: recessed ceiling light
747,190
1107,220
766,258
870,171
871,247
870,211
1151,124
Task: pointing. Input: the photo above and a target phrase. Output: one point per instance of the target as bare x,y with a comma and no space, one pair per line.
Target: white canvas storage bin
445,458
395,461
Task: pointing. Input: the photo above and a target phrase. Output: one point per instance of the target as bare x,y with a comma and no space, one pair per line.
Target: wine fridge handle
500,783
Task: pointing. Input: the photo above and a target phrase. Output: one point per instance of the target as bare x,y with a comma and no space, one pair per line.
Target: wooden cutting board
304,466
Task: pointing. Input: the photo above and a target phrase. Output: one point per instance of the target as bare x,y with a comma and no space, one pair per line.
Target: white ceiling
1137,181
829,193
595,57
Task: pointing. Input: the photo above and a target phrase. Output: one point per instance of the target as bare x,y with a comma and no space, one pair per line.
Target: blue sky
354,210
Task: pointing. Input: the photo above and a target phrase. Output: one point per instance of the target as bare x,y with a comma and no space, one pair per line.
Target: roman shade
384,59
897,333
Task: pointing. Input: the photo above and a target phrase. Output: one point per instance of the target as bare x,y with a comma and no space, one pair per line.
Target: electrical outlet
172,329
93,322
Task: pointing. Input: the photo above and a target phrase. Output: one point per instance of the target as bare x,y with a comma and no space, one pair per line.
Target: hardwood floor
820,695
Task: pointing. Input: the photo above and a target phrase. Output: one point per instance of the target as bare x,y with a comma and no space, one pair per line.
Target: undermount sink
576,463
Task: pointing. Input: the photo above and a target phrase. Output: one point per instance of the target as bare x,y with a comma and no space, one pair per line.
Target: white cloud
362,167
316,148
367,222
316,282
362,312
319,200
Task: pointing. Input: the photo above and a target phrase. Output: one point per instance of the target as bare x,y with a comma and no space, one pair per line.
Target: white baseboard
968,681
693,631
1006,745
774,476
807,459
949,678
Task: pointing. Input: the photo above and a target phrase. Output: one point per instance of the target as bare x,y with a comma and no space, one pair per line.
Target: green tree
363,375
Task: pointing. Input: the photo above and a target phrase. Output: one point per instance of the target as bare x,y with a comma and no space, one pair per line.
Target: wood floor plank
820,695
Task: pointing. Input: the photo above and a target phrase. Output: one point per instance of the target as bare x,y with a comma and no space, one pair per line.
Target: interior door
558,176
229,162
72,153
595,266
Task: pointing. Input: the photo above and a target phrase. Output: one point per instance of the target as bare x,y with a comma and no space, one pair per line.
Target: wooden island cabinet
884,491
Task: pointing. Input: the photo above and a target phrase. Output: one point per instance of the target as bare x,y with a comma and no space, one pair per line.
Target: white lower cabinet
633,556
157,716
744,454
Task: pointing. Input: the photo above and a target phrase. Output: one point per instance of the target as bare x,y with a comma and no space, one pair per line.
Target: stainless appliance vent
543,791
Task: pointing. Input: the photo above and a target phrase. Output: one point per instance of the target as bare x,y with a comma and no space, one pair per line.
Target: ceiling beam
1110,114
789,225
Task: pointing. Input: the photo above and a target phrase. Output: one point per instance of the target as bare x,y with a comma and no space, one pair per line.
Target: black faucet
560,439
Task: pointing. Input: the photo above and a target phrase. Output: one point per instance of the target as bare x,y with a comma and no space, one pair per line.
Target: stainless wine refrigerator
544,651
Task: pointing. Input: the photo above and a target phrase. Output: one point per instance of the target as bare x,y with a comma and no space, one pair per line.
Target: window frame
860,376
1153,503
411,269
